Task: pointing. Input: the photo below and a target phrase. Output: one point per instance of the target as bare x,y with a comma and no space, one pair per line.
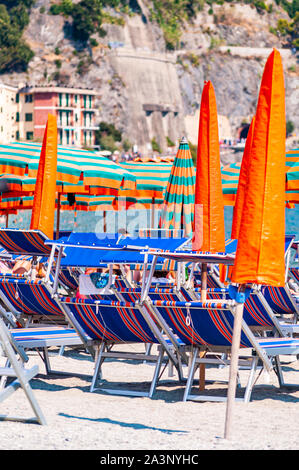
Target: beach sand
78,419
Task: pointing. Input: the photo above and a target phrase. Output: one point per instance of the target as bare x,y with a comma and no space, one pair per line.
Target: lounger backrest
200,324
279,300
29,242
29,297
295,273
66,278
110,321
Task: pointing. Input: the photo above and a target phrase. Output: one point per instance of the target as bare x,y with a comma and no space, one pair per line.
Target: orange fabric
208,230
238,209
43,211
260,251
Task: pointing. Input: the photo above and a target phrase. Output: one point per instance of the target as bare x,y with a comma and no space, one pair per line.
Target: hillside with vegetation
167,47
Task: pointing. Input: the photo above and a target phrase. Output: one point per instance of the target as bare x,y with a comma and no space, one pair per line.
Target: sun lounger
207,328
257,312
29,242
30,300
114,323
282,301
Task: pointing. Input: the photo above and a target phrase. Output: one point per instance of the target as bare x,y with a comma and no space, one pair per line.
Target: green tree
15,54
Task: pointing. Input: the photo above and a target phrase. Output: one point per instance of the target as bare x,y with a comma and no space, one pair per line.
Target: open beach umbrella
92,173
292,175
230,179
260,250
151,181
178,204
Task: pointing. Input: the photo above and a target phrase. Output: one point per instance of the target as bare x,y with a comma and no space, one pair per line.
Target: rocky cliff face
149,93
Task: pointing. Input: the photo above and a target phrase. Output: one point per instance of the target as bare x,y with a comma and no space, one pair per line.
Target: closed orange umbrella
209,231
260,250
43,211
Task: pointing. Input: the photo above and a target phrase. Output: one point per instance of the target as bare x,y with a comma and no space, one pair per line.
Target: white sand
78,419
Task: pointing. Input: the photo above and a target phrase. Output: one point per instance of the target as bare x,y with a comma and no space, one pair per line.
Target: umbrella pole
153,213
58,216
6,220
233,370
204,281
104,221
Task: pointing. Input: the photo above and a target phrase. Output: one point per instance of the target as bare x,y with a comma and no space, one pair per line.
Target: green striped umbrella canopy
292,175
178,206
94,173
230,178
81,202
151,182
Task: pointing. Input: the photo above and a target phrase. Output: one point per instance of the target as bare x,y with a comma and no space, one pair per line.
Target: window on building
76,99
18,117
17,135
29,135
28,117
67,99
84,101
60,136
60,99
90,101
17,98
28,98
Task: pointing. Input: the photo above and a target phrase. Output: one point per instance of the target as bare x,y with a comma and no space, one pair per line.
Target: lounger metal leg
97,368
278,371
190,375
156,373
249,386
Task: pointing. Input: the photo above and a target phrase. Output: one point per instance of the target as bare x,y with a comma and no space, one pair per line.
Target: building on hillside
8,113
74,109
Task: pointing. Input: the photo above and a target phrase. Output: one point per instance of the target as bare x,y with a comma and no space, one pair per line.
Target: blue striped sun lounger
114,323
208,328
20,242
257,312
30,300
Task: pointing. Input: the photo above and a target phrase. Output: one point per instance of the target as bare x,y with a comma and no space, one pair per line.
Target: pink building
74,109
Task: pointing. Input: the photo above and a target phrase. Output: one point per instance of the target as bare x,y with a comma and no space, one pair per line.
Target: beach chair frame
16,359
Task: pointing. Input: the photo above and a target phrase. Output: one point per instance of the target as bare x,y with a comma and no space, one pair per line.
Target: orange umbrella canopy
43,211
208,234
260,250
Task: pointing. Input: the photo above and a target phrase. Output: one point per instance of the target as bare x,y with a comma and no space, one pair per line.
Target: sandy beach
77,419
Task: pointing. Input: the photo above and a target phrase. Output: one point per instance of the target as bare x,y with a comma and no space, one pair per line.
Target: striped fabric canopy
230,178
292,175
82,203
74,167
151,182
178,205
